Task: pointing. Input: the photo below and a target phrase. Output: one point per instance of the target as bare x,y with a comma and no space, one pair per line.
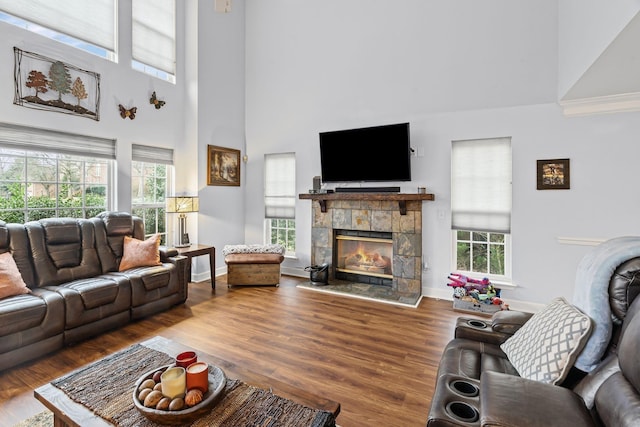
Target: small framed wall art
553,174
223,166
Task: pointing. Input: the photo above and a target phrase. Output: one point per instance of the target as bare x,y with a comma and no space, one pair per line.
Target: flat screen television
378,153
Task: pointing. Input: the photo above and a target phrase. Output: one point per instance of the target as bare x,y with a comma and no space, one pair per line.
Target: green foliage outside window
148,191
283,232
481,252
43,185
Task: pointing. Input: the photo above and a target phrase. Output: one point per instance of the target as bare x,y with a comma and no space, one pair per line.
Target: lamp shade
182,204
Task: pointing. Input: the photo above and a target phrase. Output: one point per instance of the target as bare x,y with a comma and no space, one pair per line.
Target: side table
198,250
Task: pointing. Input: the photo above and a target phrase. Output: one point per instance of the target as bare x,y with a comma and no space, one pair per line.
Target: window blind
154,33
481,185
146,153
35,139
90,21
280,185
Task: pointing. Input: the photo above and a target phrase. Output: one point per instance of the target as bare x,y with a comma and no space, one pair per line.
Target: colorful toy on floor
459,292
480,291
459,280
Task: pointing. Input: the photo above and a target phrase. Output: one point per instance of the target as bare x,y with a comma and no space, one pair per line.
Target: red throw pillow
140,253
11,282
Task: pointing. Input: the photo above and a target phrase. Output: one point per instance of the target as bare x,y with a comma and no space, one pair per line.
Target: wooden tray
217,383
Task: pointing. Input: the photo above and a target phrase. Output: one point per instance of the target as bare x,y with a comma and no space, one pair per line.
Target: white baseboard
294,271
443,294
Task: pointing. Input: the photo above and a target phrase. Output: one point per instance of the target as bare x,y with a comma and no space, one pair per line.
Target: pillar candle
174,382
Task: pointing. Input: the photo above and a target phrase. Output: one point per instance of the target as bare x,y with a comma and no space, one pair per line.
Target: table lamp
182,205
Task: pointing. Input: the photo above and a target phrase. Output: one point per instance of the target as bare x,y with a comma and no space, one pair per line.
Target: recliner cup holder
461,411
464,388
477,323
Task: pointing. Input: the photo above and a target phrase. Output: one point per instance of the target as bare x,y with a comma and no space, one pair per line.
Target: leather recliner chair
478,386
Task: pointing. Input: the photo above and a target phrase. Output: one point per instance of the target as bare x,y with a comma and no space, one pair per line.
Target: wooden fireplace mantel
401,198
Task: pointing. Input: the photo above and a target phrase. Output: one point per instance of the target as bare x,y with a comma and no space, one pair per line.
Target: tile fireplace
370,238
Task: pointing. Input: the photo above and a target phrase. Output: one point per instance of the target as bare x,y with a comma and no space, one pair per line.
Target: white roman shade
280,185
35,139
481,185
154,33
91,21
149,154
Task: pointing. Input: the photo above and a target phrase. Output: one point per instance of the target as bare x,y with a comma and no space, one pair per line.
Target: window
280,200
86,25
47,174
151,173
481,206
153,38
282,231
481,252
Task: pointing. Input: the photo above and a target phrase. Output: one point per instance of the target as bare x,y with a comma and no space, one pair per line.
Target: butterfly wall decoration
155,101
131,112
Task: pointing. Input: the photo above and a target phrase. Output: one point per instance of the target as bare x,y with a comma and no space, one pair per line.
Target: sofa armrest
503,324
478,330
508,400
167,252
170,255
508,322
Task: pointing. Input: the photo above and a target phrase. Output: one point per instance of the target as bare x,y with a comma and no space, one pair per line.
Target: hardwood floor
378,360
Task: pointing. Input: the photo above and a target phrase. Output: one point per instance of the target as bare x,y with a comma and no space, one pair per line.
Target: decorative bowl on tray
217,383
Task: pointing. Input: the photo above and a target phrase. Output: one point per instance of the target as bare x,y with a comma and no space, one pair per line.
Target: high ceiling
612,82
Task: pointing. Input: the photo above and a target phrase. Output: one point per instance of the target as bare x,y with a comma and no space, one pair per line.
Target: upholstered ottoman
253,264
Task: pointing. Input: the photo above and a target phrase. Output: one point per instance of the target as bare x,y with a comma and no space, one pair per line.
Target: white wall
119,84
205,106
587,27
221,115
599,204
455,70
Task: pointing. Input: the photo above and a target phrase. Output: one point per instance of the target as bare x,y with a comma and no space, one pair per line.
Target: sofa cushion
508,322
62,250
11,282
94,299
510,401
140,253
546,346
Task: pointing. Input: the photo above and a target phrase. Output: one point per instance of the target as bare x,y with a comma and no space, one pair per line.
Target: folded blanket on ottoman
253,249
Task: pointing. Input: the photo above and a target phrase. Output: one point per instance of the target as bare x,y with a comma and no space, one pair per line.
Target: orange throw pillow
140,253
11,282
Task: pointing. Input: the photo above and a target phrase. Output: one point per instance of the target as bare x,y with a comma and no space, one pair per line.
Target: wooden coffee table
69,413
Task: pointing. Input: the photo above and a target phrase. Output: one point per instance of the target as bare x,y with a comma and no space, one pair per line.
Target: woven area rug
43,419
105,387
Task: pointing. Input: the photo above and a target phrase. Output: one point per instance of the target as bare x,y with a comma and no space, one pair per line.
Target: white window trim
505,279
267,235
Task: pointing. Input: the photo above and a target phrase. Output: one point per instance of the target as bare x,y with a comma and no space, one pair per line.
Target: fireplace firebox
364,256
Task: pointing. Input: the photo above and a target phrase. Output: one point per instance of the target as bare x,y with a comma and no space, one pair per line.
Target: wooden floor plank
378,360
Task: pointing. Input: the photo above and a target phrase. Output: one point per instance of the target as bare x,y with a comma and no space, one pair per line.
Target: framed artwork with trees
49,84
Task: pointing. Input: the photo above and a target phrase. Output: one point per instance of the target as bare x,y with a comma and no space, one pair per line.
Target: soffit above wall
612,83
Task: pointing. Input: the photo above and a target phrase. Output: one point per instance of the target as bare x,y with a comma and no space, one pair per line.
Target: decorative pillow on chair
140,253
547,345
11,282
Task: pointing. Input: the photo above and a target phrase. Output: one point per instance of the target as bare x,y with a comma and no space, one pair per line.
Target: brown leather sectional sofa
477,385
77,292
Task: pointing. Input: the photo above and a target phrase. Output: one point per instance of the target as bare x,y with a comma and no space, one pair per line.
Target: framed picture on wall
49,84
223,166
553,174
